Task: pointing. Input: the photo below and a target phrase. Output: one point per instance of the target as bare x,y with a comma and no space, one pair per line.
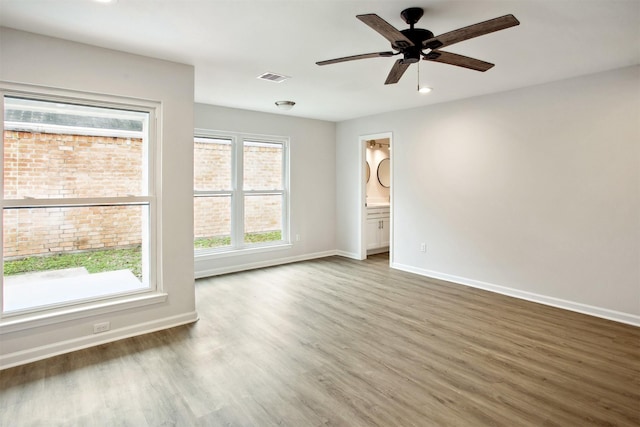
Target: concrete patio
30,290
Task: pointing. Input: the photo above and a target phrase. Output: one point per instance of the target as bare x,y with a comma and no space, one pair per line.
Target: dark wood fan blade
354,57
386,30
396,72
459,60
471,31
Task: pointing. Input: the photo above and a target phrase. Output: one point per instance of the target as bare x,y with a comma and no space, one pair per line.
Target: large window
240,189
78,202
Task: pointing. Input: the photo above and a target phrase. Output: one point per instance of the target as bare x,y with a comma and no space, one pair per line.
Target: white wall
313,184
533,192
37,60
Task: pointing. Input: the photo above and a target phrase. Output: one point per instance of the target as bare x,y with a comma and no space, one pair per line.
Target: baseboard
352,255
604,313
261,264
378,251
38,353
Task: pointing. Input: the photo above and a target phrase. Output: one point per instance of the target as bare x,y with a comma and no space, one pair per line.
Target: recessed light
425,89
105,1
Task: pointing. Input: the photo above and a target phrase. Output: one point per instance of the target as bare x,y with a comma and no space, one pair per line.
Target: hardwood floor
339,342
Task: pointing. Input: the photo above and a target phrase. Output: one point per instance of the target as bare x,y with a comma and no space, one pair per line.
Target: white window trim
154,294
237,195
72,312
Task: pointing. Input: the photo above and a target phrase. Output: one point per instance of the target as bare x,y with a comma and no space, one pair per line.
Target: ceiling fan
414,43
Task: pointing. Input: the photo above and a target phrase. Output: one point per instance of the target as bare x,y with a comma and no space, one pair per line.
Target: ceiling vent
273,77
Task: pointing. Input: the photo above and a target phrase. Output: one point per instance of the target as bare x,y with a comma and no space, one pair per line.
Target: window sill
36,320
216,254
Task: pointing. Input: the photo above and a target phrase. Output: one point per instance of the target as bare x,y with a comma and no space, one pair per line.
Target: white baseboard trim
352,255
261,264
378,251
43,352
604,313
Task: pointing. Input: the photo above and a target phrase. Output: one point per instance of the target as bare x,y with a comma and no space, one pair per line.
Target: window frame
218,193
237,193
153,293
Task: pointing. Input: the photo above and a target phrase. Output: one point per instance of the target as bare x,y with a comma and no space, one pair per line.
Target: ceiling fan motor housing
412,54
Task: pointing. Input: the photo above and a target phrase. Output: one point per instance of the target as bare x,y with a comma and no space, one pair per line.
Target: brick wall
212,171
47,165
52,230
262,167
212,165
262,171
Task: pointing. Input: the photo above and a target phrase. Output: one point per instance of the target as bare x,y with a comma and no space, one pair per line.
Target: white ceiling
231,42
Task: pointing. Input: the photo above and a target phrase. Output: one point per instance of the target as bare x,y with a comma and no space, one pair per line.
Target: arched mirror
383,173
367,171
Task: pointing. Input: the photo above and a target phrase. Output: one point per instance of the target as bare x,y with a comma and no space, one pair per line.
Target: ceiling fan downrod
412,15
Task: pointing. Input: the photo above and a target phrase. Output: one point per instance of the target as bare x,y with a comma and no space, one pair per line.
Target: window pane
60,255
58,150
262,166
212,164
262,218
212,221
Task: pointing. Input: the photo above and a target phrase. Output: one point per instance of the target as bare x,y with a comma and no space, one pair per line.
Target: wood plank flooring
337,342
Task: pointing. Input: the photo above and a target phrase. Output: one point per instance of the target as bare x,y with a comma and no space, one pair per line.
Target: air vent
273,77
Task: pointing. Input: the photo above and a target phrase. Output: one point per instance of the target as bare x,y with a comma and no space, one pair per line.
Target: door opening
376,194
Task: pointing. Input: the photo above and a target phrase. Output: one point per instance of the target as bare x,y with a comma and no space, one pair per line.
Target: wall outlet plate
101,327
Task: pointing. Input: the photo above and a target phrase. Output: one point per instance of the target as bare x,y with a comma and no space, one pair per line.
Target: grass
93,261
211,242
115,259
217,241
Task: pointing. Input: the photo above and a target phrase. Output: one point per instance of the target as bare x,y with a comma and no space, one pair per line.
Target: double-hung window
241,192
78,205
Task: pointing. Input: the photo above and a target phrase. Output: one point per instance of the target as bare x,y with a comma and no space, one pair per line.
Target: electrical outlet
423,247
297,237
101,327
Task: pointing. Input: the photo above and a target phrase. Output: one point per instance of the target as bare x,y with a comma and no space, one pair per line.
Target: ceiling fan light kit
417,43
422,89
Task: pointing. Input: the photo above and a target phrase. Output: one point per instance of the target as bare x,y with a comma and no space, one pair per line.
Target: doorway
376,195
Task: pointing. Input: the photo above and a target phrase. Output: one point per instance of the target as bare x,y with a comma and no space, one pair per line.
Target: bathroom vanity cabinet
377,227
